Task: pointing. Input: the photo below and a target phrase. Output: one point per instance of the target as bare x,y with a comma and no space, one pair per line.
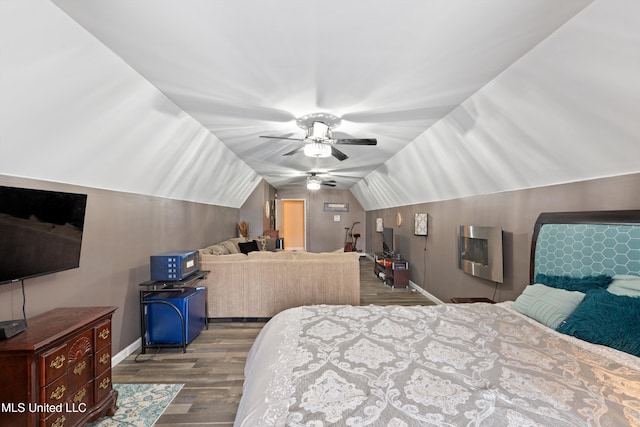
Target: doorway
292,224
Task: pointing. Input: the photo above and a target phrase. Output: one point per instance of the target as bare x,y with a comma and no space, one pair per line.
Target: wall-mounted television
480,252
387,240
40,232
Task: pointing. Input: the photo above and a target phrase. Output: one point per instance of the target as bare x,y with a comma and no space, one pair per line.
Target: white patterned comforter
446,365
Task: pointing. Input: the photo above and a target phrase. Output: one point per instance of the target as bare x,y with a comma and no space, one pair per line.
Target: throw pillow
607,319
625,284
547,305
246,247
231,247
581,284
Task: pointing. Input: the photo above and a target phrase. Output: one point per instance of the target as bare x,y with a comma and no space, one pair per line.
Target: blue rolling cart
172,314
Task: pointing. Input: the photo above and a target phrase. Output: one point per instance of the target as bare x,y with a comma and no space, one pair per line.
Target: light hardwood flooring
212,369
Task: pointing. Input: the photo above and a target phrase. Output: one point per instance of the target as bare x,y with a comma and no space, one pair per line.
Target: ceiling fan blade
351,141
292,152
338,154
328,183
282,137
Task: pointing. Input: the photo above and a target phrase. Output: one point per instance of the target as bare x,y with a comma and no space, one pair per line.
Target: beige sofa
263,283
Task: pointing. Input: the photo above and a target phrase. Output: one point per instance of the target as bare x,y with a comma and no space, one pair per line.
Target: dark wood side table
459,300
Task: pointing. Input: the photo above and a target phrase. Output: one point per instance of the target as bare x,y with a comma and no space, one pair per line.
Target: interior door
293,225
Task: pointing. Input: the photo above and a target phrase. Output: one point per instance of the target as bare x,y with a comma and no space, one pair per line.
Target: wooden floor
212,368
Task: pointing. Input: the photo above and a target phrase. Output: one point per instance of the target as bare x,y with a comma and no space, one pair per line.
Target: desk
163,305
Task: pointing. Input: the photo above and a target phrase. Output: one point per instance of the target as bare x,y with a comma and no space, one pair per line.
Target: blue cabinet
169,312
172,313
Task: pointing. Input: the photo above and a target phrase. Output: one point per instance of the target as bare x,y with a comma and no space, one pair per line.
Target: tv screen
387,239
40,232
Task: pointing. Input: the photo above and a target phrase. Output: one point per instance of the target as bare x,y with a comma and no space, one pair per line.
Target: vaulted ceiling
387,70
464,97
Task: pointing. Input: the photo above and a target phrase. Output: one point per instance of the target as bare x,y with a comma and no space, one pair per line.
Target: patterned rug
139,405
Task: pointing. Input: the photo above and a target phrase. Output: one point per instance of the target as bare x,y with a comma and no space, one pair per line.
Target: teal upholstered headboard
586,243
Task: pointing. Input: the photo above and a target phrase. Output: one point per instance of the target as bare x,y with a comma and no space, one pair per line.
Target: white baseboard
425,293
130,349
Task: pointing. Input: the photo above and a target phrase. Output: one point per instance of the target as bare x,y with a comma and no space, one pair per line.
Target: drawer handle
104,383
80,367
59,422
105,358
58,393
104,334
80,395
58,362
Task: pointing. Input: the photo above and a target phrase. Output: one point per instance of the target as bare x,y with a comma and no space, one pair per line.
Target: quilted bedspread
447,365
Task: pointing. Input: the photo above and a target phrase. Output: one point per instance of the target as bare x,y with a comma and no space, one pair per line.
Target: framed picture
379,225
420,225
336,207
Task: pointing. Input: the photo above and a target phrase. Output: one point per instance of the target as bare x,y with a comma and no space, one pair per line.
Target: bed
479,364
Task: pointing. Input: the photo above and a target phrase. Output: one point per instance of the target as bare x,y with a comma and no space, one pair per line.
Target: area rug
139,405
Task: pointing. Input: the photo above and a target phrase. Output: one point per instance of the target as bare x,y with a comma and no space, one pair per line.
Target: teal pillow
581,284
549,306
607,319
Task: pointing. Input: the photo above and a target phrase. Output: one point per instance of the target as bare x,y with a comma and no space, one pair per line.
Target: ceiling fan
314,180
319,142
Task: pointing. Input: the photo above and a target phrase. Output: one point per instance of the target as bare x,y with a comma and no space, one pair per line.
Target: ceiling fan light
317,149
319,131
313,184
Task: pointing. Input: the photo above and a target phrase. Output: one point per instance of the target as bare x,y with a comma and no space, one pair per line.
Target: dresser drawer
80,373
102,385
57,420
54,364
103,360
103,335
56,392
79,402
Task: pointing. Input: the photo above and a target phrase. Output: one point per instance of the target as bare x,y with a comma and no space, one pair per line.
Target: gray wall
433,259
121,231
253,210
323,233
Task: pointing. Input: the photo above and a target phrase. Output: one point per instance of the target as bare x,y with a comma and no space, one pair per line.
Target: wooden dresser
57,373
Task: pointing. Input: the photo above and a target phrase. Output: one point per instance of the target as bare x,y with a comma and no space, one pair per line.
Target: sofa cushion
217,250
270,244
231,247
266,243
206,251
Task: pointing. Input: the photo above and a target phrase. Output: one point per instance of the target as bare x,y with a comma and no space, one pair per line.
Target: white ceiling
388,69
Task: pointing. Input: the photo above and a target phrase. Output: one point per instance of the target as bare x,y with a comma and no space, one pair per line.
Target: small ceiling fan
319,142
314,180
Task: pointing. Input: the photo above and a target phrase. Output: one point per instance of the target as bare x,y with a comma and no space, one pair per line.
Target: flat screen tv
40,232
387,240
